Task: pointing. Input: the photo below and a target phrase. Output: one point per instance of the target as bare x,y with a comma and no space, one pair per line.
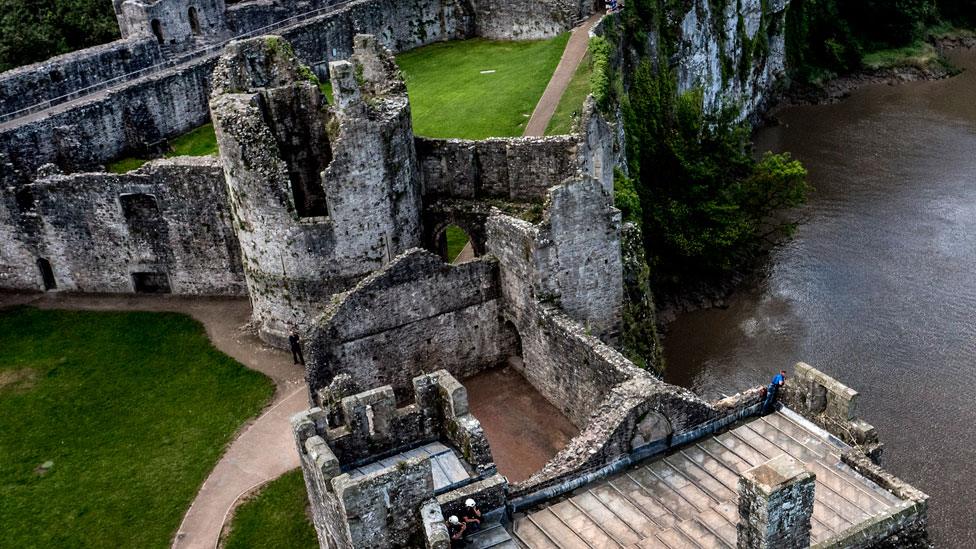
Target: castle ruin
331,217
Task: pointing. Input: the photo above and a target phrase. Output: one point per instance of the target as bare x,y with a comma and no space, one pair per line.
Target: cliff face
734,51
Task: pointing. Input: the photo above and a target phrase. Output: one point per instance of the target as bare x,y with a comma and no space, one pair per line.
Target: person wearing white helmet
456,528
471,514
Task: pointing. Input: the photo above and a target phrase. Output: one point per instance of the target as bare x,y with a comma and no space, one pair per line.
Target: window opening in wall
56,76
454,245
369,419
47,273
194,21
157,30
141,212
150,283
25,199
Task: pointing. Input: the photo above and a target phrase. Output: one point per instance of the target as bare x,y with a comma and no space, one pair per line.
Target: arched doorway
157,30
194,20
454,244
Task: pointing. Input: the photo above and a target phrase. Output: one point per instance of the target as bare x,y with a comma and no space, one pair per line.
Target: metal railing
201,53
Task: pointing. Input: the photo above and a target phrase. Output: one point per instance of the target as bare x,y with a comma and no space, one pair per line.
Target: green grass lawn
457,239
451,95
197,142
275,517
109,423
571,105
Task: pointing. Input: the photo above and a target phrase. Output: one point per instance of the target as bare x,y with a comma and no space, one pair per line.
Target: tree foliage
707,206
35,30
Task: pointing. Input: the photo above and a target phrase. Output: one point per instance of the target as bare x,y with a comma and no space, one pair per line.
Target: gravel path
572,55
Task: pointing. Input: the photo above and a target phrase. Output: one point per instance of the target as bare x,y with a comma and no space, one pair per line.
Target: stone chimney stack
775,505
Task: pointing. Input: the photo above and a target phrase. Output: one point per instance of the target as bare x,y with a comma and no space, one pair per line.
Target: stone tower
321,194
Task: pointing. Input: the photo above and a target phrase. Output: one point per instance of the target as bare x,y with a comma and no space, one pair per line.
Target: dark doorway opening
47,273
157,30
194,21
150,283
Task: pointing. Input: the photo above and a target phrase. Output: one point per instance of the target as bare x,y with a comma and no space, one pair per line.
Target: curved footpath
575,50
264,449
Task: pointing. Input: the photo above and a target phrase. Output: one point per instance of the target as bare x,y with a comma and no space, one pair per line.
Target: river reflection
878,287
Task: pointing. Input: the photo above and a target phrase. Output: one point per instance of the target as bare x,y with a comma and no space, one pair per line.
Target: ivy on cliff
706,206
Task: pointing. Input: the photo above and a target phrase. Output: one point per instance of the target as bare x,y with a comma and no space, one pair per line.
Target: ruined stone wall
105,126
67,74
174,24
99,231
569,262
382,509
416,315
513,20
520,169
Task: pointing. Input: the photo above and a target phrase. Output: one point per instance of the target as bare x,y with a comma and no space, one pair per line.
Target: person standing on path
296,347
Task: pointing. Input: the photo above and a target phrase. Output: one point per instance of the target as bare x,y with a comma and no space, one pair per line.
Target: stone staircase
689,499
493,535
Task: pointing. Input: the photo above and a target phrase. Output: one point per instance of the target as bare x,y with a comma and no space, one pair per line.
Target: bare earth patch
20,380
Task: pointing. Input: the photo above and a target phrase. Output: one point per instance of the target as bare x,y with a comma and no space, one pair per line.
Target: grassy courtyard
275,517
109,423
478,88
198,142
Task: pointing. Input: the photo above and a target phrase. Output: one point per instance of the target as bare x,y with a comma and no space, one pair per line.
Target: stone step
680,483
492,534
701,477
665,494
556,530
826,506
528,534
735,459
625,509
586,528
703,535
640,499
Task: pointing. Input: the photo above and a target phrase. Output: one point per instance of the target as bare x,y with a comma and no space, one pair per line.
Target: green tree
35,30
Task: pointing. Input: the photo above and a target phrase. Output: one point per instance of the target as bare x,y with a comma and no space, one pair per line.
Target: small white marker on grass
492,71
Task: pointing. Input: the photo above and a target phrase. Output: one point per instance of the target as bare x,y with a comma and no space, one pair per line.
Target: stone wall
107,125
513,20
519,169
416,315
174,24
831,405
104,232
383,509
67,74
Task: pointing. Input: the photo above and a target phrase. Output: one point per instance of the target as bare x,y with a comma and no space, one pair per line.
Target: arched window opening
157,30
194,21
47,274
454,245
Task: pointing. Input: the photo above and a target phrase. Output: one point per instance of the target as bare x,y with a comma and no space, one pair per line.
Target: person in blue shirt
772,391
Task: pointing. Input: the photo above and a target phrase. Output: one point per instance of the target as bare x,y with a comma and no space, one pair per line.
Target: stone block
323,458
454,395
436,534
776,502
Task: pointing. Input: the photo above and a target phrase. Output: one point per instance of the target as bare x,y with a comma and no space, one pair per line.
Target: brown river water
878,286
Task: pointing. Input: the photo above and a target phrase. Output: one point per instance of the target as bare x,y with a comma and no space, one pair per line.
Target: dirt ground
523,428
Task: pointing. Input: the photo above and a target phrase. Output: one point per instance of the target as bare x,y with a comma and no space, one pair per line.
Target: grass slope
274,518
571,104
197,142
128,411
450,96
